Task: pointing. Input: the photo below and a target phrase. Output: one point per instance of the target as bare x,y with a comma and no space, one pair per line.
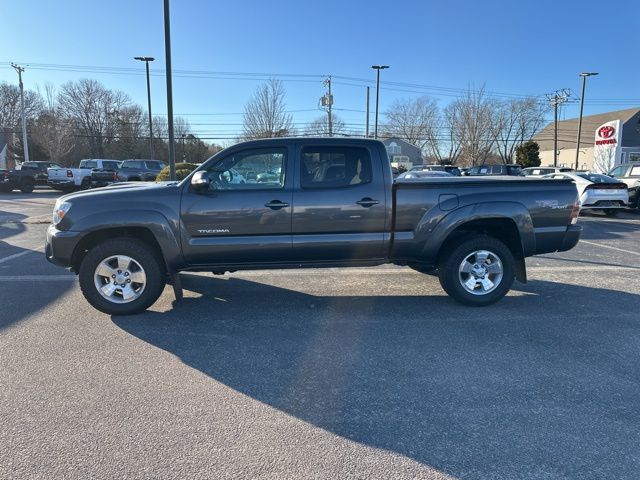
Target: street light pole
377,68
584,76
167,51
146,60
25,145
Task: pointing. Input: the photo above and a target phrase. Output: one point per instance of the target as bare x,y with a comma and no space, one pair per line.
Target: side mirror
200,181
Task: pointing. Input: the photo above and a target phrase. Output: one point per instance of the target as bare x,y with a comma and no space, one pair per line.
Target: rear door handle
367,202
276,204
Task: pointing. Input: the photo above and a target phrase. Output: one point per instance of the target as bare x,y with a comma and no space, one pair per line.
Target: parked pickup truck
629,173
69,179
26,177
334,204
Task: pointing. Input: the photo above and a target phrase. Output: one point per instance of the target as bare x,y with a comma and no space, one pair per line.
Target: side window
154,165
618,171
635,171
334,167
259,169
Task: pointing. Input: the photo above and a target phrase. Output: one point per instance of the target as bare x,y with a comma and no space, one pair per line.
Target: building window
393,149
634,156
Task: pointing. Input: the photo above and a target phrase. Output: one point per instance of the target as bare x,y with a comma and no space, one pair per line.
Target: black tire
146,257
5,189
451,277
27,185
85,184
611,212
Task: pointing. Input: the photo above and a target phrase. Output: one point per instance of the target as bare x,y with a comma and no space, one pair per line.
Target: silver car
597,191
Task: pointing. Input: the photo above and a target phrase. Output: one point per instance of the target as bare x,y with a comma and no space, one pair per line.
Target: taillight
575,211
606,186
115,175
69,173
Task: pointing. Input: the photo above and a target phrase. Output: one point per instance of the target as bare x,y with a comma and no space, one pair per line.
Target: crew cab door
245,215
339,204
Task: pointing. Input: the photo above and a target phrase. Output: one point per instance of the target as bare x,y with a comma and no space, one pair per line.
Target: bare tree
52,131
413,120
472,121
320,126
265,115
10,109
515,122
94,110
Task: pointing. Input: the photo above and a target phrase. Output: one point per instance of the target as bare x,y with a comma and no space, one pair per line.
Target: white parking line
631,252
15,255
36,278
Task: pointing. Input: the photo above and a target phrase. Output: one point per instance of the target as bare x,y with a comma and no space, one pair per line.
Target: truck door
339,204
245,216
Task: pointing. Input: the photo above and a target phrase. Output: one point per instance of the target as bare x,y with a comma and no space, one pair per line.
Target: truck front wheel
122,276
477,272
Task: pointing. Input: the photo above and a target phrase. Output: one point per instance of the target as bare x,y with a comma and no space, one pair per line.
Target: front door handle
276,204
367,202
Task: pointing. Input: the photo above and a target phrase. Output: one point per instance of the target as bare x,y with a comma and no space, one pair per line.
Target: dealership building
606,140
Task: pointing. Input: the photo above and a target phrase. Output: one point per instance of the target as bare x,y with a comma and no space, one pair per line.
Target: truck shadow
482,393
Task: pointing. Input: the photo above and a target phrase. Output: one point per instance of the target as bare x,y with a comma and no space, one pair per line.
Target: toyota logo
606,132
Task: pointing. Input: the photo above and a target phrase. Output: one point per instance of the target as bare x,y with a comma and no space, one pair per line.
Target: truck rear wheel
477,272
122,276
27,185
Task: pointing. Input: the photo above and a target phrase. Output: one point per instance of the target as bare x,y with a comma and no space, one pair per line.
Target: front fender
154,221
436,226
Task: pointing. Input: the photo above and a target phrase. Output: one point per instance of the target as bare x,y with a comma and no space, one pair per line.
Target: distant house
401,151
618,131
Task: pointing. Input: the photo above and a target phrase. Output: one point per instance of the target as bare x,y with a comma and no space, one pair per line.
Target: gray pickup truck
333,204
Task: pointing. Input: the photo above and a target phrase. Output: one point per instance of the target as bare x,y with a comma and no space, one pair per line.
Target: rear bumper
571,237
61,183
60,246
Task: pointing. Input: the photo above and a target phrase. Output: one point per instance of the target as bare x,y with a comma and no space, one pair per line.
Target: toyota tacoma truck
334,203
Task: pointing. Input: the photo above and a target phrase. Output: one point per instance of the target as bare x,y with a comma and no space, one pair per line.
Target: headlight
59,211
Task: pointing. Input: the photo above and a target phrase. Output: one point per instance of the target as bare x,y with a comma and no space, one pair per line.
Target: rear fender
434,228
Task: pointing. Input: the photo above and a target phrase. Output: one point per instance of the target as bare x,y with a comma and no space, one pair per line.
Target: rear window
597,178
110,165
88,164
514,170
334,167
635,170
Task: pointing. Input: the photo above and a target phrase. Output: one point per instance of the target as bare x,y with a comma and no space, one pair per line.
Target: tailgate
58,174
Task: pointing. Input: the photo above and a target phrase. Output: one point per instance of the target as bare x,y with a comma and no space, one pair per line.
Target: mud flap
176,283
521,270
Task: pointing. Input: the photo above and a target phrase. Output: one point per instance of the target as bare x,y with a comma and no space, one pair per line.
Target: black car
27,177
139,170
512,169
452,169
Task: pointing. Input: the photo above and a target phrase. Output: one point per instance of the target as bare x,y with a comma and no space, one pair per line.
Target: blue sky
512,47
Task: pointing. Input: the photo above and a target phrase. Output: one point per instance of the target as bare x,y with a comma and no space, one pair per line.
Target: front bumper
60,246
571,237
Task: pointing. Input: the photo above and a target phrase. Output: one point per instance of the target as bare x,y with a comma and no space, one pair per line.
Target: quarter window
334,167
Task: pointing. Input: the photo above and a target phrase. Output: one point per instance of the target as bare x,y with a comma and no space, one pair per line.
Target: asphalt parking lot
346,373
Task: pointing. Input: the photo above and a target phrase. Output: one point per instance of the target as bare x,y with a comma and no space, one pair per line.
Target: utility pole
167,52
584,76
146,60
25,145
367,127
555,99
327,101
377,68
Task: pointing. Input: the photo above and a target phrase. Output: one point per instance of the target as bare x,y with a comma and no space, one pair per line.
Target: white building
607,139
